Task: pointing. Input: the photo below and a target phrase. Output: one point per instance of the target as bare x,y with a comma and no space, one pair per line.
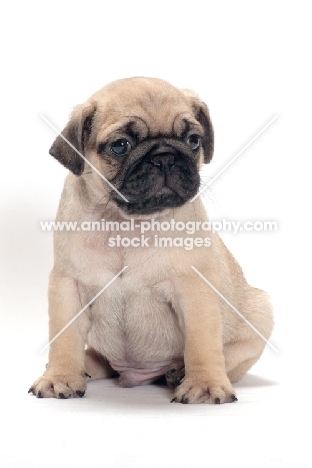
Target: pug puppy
136,310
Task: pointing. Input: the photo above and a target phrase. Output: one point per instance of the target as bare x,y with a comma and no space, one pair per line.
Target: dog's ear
77,133
201,114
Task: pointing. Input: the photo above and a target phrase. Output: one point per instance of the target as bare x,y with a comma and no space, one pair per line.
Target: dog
135,311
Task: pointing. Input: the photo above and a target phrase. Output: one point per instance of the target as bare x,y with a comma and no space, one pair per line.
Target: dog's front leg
65,374
205,378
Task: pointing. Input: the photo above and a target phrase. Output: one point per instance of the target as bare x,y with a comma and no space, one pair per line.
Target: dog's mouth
159,202
160,180
164,191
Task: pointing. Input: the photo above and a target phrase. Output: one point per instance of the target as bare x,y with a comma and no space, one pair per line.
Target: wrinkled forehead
145,115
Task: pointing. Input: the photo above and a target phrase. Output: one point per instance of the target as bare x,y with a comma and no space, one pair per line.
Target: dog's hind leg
241,354
97,367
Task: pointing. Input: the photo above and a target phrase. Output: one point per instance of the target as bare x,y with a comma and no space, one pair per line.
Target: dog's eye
120,147
193,141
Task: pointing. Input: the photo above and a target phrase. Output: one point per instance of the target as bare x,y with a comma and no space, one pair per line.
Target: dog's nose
164,161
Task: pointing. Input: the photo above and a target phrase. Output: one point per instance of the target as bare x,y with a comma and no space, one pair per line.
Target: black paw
174,377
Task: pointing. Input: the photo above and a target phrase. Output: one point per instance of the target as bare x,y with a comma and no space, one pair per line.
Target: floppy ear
201,114
76,132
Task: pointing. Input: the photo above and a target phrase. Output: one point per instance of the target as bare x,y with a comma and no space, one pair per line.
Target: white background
249,61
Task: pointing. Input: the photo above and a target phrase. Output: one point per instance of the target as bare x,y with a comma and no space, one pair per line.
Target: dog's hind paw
175,374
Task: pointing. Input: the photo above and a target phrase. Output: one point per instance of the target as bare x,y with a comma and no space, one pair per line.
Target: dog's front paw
60,385
194,390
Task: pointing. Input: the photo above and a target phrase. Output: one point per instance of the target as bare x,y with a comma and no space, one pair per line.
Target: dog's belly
139,373
137,331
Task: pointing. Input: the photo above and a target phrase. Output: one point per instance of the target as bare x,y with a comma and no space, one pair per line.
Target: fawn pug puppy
158,317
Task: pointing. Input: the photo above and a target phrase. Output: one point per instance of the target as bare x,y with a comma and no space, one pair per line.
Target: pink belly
135,373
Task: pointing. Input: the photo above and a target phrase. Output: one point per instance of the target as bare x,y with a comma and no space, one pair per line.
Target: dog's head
146,137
